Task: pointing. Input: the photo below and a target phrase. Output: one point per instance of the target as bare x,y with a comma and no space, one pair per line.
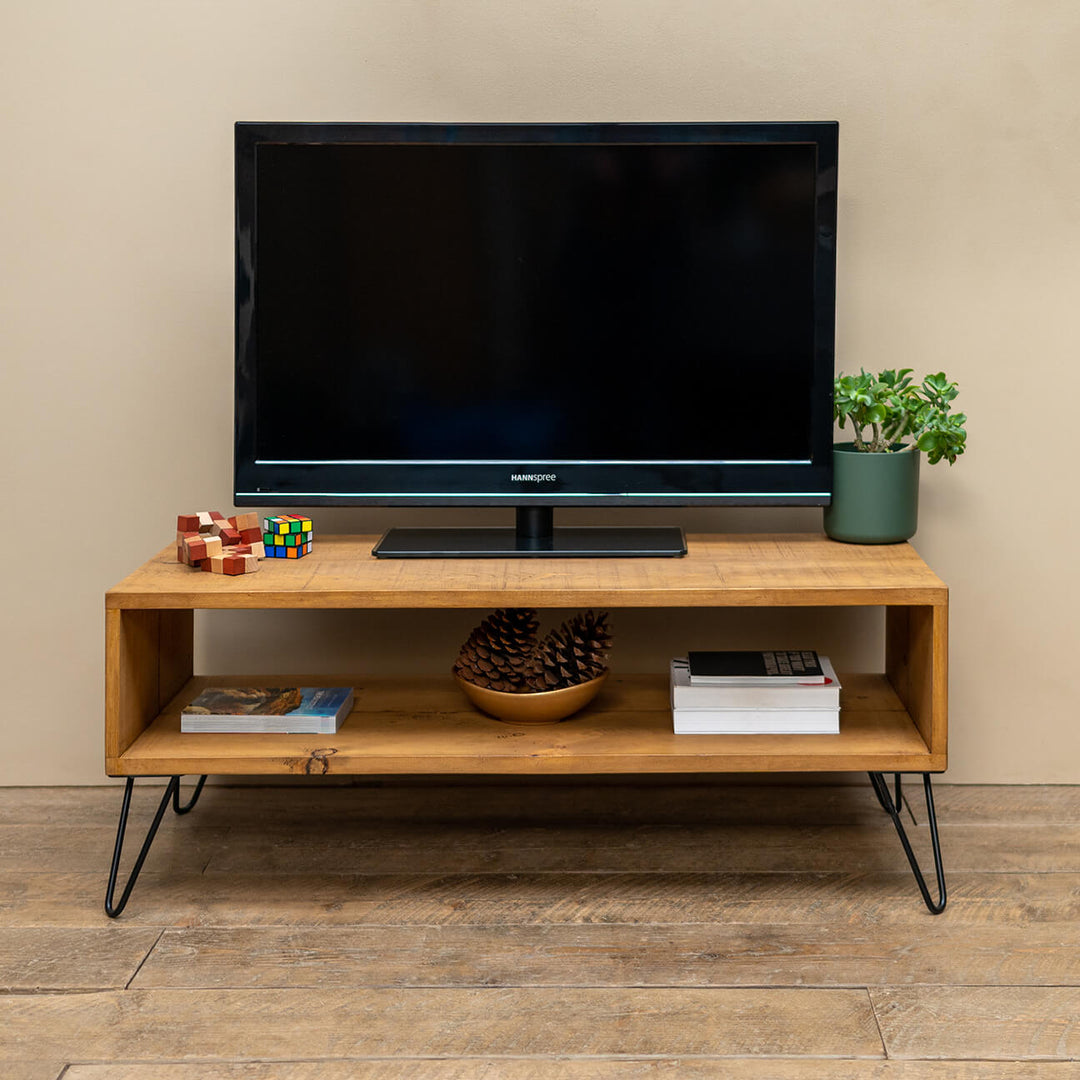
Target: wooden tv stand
892,720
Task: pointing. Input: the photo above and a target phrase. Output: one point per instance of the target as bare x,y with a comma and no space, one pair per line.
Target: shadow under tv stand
533,536
892,720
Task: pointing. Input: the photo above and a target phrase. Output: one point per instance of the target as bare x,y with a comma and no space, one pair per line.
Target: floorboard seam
877,1023
139,967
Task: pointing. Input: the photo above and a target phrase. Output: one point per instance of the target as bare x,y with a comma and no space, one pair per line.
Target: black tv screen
510,314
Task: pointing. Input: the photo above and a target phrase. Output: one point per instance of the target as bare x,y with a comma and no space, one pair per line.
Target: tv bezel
259,483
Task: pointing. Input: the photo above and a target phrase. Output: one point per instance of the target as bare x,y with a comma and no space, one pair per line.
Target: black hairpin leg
172,793
893,807
190,804
899,798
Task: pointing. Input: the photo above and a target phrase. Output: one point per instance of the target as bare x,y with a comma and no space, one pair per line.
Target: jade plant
894,407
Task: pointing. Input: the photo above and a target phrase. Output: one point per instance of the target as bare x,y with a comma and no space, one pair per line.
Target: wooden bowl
544,707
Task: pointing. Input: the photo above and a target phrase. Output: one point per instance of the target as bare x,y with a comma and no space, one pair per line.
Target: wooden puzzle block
229,536
206,521
187,523
180,538
220,523
246,521
231,562
194,549
257,549
250,535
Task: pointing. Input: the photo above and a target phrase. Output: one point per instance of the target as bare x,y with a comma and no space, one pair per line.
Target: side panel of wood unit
917,664
148,658
176,653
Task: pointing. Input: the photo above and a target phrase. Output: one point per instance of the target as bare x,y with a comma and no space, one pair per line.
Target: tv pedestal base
581,542
534,536
893,719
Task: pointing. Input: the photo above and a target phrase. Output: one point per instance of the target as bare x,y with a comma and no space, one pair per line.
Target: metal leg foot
190,804
171,793
881,789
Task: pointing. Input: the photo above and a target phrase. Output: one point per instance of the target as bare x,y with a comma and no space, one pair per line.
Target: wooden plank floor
582,930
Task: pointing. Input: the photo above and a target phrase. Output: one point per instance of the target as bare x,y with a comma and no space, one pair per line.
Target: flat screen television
534,316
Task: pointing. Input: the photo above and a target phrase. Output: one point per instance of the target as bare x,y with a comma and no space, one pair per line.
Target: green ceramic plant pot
875,496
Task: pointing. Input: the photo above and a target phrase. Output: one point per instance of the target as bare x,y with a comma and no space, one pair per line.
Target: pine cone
573,654
500,652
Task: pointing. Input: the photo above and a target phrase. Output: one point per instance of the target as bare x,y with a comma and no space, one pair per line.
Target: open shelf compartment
423,725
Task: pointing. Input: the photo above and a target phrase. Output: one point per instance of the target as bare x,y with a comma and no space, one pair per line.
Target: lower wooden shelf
413,725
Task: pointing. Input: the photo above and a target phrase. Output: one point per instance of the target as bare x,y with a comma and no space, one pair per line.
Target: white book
815,696
757,721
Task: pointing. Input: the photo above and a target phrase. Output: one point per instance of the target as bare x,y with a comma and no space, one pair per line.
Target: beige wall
959,231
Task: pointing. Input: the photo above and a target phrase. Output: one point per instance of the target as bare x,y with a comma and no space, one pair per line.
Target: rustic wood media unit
892,720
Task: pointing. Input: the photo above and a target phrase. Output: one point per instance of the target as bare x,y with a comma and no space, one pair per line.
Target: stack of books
755,693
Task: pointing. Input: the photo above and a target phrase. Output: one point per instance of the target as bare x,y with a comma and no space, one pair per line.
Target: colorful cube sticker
286,524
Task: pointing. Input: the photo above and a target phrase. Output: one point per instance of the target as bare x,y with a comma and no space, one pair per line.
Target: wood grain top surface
723,570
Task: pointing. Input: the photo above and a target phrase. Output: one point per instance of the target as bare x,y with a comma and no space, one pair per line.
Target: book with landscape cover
301,710
770,668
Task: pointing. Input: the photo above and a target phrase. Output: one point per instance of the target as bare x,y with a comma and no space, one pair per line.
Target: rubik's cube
287,537
212,542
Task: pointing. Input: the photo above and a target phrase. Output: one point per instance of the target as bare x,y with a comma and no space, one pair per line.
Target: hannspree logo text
534,476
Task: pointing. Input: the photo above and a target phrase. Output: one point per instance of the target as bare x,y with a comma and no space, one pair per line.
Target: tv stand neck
534,526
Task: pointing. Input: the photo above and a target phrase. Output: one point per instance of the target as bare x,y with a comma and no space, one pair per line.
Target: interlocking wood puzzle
216,544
